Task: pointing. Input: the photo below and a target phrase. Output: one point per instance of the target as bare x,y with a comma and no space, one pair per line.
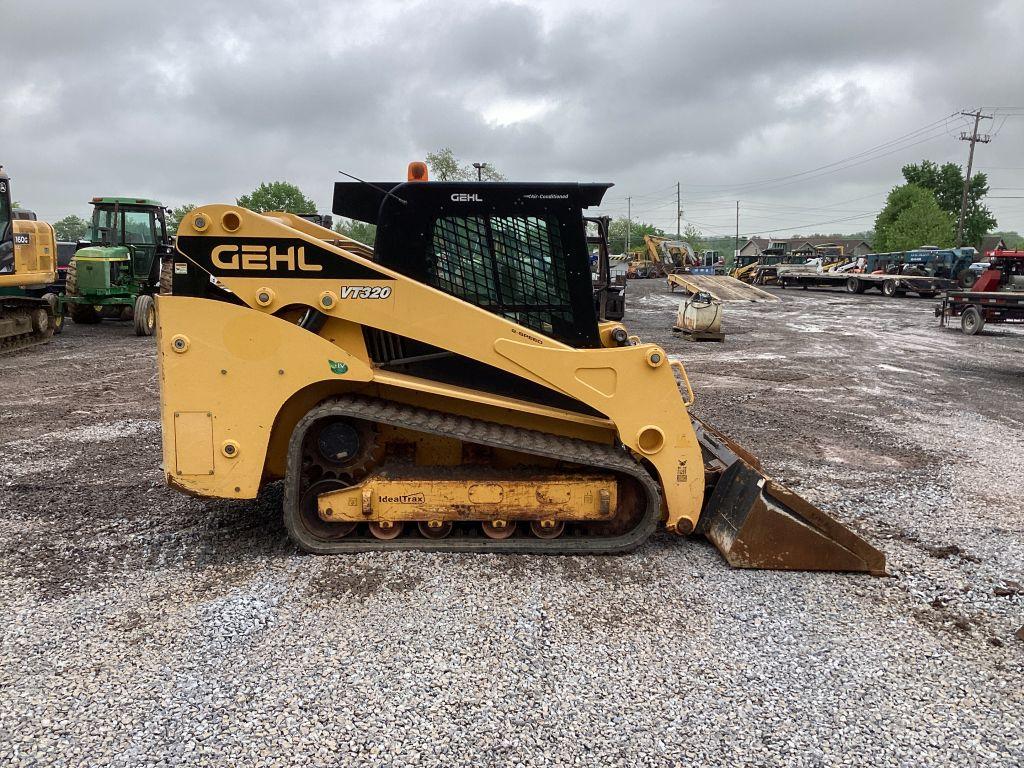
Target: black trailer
975,308
890,285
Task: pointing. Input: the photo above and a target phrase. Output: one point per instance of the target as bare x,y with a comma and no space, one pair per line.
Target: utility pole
974,138
629,220
736,252
679,211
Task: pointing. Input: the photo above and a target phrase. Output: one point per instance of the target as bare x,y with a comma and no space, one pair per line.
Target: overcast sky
201,101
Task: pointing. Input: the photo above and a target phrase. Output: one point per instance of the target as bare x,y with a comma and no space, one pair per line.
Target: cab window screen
512,266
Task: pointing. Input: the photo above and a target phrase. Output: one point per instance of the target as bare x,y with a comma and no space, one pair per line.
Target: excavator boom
449,389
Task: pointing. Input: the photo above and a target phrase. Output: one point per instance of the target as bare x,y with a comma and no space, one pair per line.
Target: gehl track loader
451,388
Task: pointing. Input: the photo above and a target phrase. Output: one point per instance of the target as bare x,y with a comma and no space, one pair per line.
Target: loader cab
517,250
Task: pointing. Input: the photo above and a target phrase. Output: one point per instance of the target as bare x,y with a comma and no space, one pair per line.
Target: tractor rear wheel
971,321
145,315
82,314
166,276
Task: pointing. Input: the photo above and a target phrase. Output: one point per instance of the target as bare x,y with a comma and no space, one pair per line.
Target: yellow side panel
35,255
193,443
240,366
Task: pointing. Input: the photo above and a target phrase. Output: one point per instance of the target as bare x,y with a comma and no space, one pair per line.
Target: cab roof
126,201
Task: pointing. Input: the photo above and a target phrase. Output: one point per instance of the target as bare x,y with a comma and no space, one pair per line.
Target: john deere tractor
116,275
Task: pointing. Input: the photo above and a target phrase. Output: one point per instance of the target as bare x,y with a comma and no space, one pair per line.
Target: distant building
802,246
993,243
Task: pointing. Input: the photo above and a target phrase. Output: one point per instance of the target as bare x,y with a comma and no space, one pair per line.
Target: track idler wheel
309,513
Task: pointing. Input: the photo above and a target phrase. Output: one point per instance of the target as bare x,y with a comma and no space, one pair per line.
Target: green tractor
116,275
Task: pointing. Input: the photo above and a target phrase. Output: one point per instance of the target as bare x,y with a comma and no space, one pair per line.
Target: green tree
277,196
71,228
947,182
445,166
357,230
694,237
637,230
176,215
912,218
1013,240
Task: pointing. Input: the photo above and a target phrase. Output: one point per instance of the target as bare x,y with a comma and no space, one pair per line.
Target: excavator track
591,456
12,306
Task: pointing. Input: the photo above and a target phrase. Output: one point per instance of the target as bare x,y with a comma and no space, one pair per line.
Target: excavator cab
451,389
609,289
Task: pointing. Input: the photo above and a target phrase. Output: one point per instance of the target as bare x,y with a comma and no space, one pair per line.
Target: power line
932,129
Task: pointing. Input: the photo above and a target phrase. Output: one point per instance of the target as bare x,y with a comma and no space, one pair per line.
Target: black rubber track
601,457
24,305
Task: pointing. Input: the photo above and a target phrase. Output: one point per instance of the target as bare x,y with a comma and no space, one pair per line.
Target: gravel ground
143,627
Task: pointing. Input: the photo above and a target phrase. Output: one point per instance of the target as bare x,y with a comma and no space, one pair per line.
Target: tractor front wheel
58,314
145,315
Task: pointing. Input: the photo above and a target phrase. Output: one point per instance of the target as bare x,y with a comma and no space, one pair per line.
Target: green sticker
337,367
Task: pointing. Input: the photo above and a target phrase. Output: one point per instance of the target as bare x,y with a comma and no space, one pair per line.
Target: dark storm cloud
202,101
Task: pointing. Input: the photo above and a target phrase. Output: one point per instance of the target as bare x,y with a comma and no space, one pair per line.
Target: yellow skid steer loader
450,389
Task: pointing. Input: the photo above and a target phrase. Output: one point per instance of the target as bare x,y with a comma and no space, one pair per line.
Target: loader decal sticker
283,257
262,257
405,498
364,291
337,366
22,239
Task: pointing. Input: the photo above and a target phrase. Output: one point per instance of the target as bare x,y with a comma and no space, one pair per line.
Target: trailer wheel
971,321
853,285
891,288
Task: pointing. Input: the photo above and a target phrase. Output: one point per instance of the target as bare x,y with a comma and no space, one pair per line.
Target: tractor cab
128,229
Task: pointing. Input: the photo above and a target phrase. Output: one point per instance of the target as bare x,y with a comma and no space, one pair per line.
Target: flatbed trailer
859,282
975,308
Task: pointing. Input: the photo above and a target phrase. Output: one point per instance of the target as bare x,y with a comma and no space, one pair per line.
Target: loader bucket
757,523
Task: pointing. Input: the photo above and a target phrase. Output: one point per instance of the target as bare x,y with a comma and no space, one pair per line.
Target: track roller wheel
386,530
547,529
498,529
435,529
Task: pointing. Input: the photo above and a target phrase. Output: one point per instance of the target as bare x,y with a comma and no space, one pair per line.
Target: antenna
387,192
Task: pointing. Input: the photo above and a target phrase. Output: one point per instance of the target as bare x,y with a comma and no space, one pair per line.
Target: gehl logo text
262,258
